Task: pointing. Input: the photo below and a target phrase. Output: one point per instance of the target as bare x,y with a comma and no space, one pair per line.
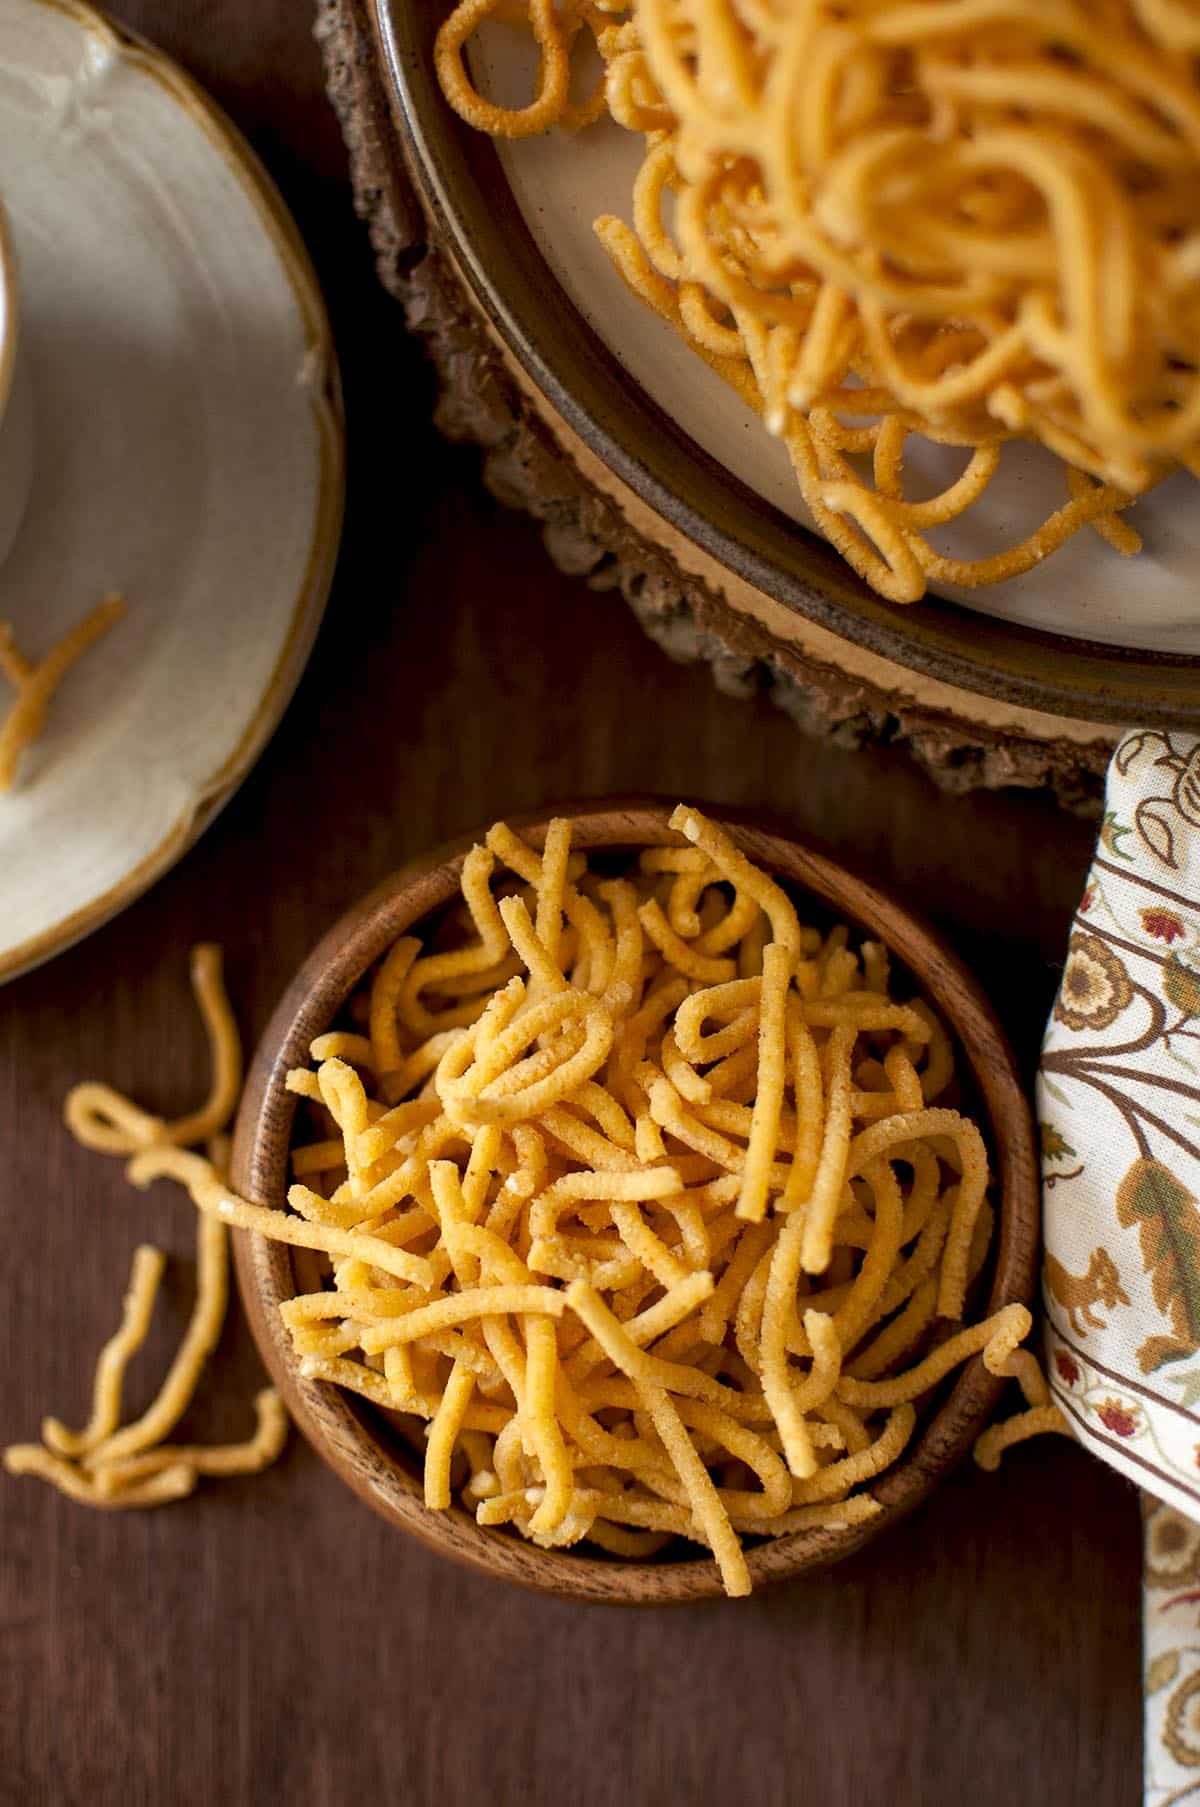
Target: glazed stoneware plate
187,451
1087,635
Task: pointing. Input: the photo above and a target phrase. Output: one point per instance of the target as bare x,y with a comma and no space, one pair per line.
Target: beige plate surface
188,452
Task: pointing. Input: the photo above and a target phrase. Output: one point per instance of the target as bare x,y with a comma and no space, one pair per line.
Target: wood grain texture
348,1437
271,1641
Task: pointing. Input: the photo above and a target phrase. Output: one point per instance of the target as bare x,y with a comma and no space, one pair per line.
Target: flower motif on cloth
1095,986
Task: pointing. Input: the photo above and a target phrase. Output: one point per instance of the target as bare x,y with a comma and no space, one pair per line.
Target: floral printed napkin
1119,1102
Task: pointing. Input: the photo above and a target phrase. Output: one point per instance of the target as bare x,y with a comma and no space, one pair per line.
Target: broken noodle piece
35,685
108,1464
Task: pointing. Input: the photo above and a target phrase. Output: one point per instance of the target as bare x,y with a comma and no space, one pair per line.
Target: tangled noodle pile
965,220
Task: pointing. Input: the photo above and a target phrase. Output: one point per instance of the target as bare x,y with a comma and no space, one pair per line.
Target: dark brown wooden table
269,1640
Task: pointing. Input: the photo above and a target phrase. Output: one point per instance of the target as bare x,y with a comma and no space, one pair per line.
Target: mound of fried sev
115,1465
643,1200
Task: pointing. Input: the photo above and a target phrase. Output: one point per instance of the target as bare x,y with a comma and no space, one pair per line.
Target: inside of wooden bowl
369,1454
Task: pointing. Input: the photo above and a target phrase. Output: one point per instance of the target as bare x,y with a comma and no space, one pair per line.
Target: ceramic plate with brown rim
187,451
358,1443
1087,636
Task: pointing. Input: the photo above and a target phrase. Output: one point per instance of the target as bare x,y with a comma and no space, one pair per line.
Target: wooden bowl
358,1445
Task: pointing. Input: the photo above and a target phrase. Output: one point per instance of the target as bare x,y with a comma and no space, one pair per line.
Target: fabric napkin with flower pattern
1119,1103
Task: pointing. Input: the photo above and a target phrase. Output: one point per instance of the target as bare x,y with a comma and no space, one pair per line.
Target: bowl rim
335,1426
463,188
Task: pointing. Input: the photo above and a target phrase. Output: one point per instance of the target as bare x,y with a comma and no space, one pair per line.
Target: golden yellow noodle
35,685
113,1465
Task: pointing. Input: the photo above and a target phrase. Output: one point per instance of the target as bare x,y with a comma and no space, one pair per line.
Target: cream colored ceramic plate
561,182
187,451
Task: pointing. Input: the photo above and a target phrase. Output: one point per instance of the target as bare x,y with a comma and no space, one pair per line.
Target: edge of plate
12,312
1023,667
215,791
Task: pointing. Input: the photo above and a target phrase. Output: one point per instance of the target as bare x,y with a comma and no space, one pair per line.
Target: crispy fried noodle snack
35,685
640,1196
965,220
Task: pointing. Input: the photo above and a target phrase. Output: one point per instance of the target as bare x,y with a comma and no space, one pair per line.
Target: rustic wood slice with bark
596,527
